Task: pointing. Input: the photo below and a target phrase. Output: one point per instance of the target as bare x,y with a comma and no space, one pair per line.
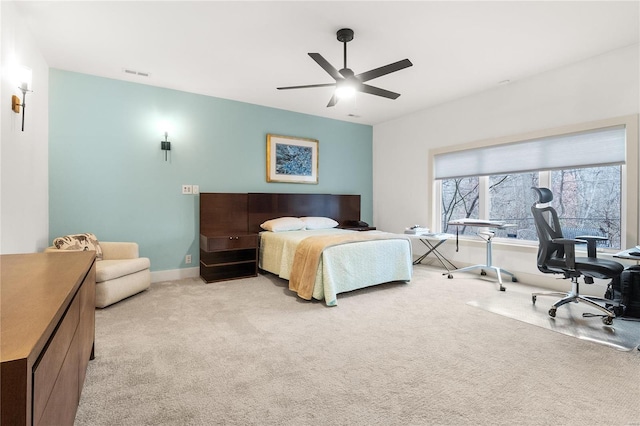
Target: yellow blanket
307,257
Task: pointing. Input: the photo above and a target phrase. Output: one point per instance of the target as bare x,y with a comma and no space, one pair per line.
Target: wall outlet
187,259
187,189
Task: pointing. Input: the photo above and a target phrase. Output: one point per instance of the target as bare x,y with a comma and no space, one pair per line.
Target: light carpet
249,352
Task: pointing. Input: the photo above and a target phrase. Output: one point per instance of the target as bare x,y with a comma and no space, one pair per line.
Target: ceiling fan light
345,91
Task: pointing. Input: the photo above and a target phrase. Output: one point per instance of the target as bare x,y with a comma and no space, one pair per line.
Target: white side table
432,242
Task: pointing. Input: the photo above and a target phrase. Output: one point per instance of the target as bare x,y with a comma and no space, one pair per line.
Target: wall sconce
15,101
165,145
23,78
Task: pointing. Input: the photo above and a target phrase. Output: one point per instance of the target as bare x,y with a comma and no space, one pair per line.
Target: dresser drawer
228,242
61,406
48,368
87,325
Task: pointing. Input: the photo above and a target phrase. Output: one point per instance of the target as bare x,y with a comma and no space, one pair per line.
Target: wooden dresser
47,335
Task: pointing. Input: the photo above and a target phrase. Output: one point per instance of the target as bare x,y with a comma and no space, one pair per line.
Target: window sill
525,245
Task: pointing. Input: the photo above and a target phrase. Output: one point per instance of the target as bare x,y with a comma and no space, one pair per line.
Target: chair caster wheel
502,288
450,276
618,310
552,312
514,280
483,273
533,299
607,320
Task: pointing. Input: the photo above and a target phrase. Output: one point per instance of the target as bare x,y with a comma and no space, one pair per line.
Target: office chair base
574,296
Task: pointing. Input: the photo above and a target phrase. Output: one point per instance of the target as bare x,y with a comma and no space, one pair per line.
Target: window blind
591,148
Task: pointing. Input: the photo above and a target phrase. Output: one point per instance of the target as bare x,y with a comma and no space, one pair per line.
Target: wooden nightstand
229,256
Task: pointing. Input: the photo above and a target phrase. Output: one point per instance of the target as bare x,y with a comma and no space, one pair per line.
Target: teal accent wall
107,174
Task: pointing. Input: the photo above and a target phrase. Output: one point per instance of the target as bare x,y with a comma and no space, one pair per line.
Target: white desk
433,241
487,236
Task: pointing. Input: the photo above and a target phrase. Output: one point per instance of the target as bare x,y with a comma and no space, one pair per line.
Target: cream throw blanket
309,250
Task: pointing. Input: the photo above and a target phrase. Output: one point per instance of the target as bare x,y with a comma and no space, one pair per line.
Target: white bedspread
342,268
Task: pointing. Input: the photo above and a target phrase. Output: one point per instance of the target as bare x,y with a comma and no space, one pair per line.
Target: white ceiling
243,50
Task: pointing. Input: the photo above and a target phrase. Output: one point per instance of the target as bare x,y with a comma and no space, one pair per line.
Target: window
460,198
588,202
588,192
510,199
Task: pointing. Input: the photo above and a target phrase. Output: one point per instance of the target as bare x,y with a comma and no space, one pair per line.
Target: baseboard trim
174,274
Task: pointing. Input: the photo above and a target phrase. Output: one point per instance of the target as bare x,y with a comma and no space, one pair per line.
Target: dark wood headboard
235,212
265,206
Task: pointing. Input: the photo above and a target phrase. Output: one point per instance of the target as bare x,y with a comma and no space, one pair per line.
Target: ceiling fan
346,80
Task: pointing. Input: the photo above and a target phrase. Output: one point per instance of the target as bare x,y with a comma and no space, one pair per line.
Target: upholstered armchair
120,272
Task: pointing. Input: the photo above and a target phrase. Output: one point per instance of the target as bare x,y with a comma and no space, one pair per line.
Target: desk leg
489,266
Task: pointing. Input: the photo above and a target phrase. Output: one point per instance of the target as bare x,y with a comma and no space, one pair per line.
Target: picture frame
291,159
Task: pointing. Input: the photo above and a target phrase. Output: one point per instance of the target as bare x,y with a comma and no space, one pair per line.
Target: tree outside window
510,200
588,202
460,199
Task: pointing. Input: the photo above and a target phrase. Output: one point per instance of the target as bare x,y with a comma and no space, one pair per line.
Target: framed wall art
291,159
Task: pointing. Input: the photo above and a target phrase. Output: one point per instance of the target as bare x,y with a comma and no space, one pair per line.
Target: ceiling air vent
134,72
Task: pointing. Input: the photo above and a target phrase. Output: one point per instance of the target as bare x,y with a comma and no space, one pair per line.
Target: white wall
24,193
598,88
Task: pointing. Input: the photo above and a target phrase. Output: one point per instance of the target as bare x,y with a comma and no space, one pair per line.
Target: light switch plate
195,189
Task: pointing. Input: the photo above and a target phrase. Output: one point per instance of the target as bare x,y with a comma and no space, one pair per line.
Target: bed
365,259
351,260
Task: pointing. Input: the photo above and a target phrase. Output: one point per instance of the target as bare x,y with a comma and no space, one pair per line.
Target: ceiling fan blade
326,66
307,86
332,101
378,91
387,69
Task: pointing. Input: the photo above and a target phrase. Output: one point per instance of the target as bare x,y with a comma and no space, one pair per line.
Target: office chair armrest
592,240
569,250
568,241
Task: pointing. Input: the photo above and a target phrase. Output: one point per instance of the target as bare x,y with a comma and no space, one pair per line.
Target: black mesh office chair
556,255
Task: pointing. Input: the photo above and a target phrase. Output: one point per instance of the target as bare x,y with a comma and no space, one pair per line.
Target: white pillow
283,224
318,222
